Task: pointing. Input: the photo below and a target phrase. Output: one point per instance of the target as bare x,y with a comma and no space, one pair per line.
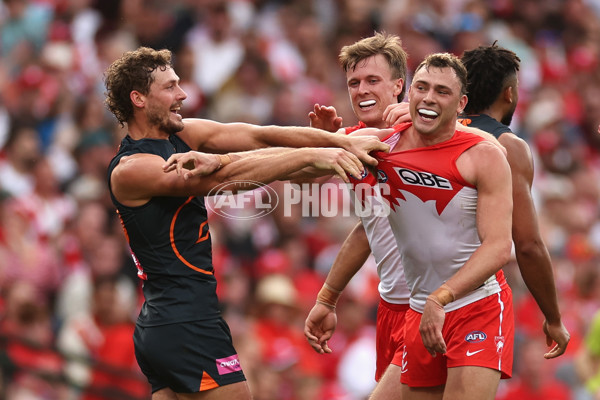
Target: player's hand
395,114
319,327
192,163
430,328
326,118
367,141
558,334
339,161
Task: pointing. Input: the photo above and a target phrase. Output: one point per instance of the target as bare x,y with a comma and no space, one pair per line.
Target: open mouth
175,110
366,104
427,114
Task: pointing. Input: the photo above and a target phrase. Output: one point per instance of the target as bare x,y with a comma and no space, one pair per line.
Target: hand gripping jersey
171,246
392,284
433,216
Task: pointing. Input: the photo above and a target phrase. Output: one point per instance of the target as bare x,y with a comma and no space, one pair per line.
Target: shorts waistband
393,306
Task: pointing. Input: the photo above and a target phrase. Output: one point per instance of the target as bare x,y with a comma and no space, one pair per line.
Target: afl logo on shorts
475,337
381,176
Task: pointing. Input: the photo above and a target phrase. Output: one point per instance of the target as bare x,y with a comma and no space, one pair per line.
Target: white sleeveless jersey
432,216
372,211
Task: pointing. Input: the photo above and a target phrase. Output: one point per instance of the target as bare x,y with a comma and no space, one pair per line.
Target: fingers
319,344
555,352
369,160
432,339
434,342
171,163
395,114
313,341
176,162
352,166
337,123
556,333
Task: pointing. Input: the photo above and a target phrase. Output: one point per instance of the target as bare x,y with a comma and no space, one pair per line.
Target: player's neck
411,139
144,131
493,112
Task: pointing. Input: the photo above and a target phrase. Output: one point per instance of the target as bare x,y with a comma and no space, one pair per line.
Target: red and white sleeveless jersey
432,216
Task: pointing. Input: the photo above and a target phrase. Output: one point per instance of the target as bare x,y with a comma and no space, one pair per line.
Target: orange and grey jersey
432,215
171,246
485,123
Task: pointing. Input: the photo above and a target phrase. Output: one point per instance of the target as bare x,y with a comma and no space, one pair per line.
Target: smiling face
164,100
372,89
435,100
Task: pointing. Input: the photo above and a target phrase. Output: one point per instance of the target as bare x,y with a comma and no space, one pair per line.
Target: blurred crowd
69,294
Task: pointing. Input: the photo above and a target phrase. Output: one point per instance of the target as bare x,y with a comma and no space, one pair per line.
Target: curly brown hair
390,46
132,71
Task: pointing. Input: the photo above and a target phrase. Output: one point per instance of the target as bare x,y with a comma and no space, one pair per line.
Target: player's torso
432,211
170,241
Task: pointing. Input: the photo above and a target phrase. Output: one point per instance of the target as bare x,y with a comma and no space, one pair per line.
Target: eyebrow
170,81
367,77
436,86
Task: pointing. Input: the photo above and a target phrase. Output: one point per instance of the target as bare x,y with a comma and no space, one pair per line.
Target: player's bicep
139,177
215,137
494,191
521,164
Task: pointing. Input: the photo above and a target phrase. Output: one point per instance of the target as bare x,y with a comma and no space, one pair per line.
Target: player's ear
462,104
508,94
398,87
137,98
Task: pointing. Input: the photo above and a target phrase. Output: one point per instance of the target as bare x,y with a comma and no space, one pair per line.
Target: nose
182,95
428,98
363,87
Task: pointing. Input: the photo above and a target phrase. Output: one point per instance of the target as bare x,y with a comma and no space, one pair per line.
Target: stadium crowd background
68,288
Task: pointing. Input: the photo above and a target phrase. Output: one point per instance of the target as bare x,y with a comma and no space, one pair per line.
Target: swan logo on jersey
381,176
475,337
420,178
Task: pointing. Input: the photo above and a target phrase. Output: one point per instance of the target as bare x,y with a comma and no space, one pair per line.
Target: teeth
366,103
428,112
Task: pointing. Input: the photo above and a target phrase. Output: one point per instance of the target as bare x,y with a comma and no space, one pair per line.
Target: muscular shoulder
134,168
197,132
518,154
481,160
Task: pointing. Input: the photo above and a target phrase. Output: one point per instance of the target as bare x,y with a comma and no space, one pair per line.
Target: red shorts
390,335
479,334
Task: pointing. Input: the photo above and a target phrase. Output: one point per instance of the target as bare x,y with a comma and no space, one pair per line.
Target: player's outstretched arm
138,178
215,137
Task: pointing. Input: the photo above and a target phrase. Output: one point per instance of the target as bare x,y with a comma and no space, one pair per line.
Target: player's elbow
530,249
504,249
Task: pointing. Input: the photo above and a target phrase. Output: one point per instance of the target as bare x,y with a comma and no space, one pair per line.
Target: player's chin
175,126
